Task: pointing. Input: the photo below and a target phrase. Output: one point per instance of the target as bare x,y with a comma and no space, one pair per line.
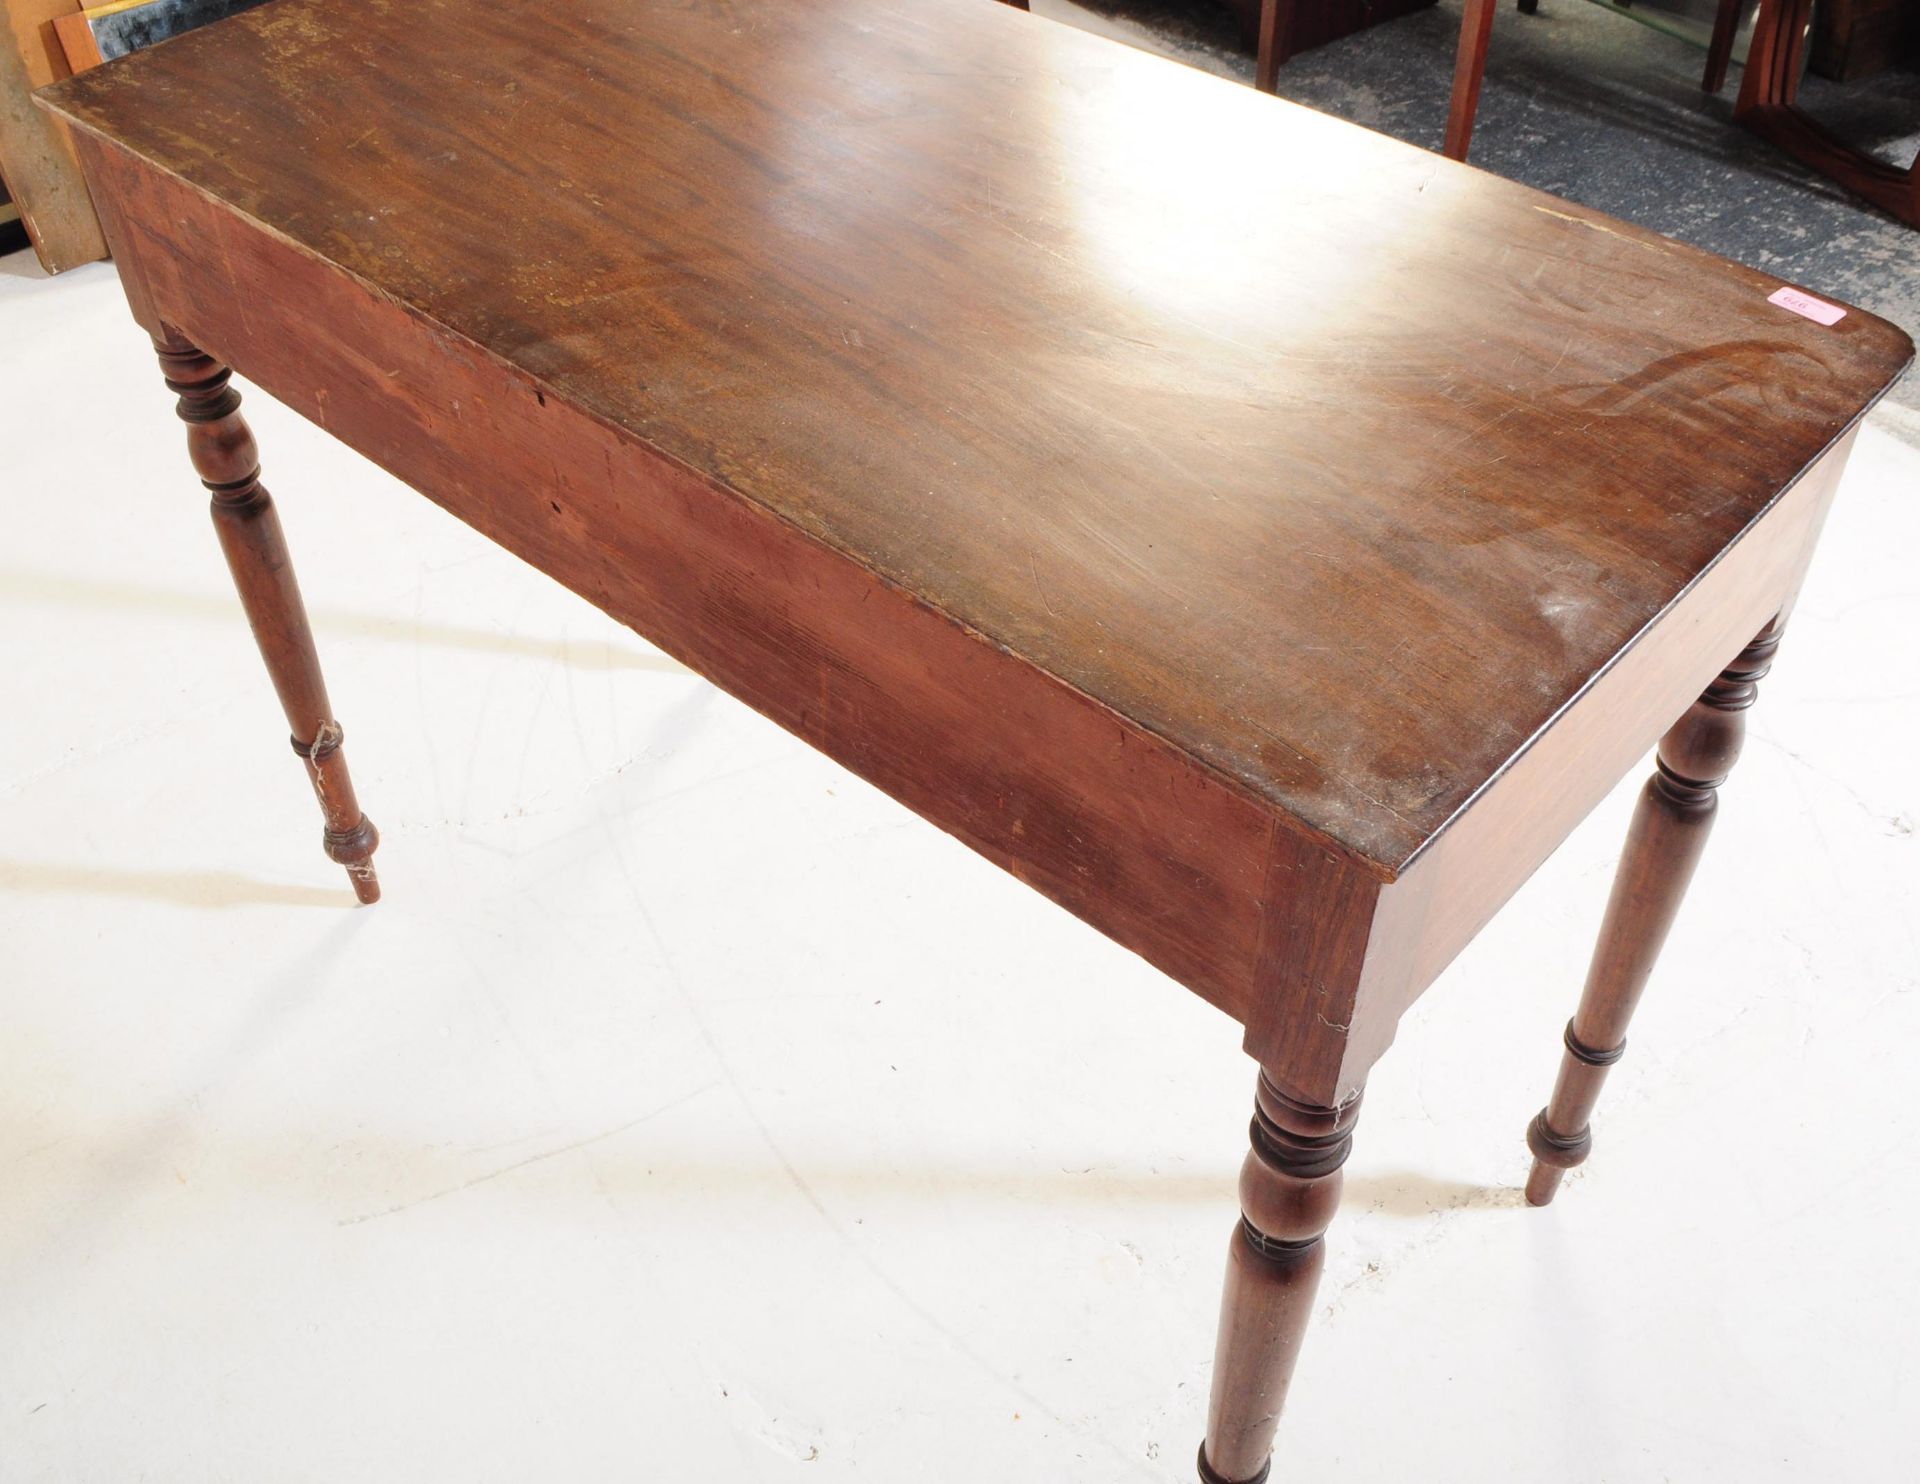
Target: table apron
1310,948
1451,890
1130,834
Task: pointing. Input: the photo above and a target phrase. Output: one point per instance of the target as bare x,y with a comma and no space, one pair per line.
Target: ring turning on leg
1289,1189
223,451
1669,830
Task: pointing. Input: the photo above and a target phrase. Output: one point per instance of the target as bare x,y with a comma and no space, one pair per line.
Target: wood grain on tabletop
1341,474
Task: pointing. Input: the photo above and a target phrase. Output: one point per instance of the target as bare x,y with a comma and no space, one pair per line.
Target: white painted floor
689,1111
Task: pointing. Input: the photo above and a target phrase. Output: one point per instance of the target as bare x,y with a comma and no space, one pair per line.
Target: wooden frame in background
36,157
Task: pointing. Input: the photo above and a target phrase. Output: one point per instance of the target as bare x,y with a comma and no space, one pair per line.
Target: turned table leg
1664,843
224,453
1289,1187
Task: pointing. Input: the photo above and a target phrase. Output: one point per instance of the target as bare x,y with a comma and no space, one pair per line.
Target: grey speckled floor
1600,110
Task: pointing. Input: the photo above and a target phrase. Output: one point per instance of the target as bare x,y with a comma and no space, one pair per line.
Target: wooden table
1273,579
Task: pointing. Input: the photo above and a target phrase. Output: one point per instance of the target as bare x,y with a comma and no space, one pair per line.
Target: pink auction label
1817,310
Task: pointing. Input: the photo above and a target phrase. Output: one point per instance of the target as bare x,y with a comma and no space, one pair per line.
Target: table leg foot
1669,831
1289,1189
1208,1476
227,459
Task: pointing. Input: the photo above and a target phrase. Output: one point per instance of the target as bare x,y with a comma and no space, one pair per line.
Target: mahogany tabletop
1336,465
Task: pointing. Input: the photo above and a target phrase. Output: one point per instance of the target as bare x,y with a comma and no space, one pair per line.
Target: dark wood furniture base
1766,103
1767,106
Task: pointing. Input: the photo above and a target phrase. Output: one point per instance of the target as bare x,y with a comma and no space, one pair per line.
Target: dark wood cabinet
1853,39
